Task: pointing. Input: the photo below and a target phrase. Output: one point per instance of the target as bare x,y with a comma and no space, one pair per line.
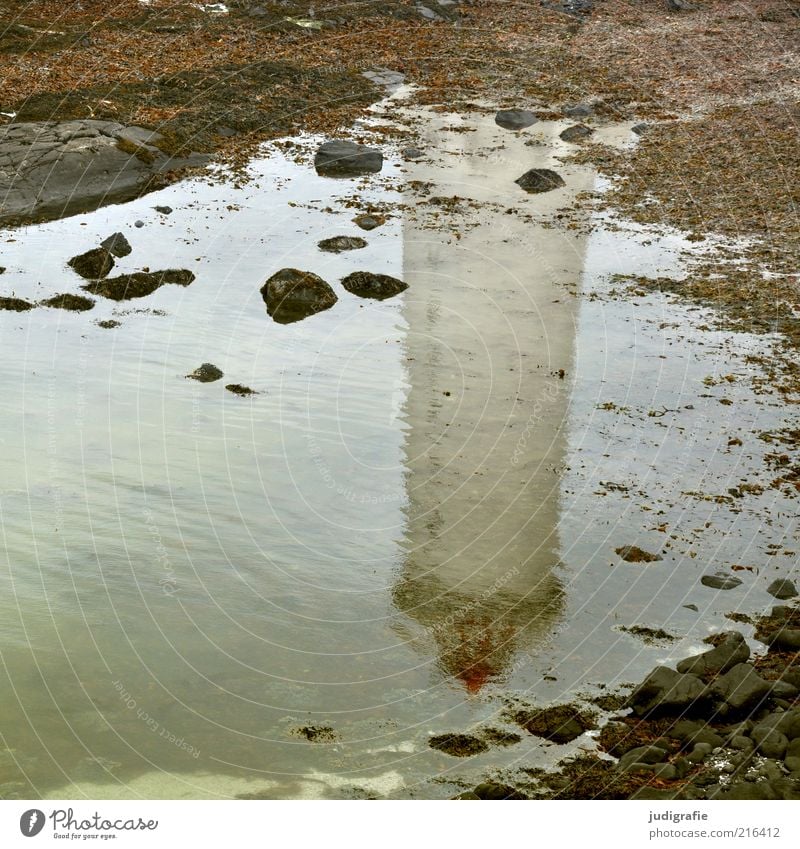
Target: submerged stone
337,244
341,158
292,295
377,286
206,373
367,221
238,389
458,745
539,180
559,723
139,284
634,554
577,133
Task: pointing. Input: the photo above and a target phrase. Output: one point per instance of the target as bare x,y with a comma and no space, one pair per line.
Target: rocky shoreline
722,725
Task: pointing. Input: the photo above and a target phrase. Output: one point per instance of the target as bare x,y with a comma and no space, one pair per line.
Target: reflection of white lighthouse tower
490,329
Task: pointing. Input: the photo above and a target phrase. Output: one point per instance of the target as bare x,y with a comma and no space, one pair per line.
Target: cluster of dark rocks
292,295
209,373
725,727
720,725
96,264
537,180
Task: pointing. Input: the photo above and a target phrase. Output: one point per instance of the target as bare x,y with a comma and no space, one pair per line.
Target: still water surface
400,528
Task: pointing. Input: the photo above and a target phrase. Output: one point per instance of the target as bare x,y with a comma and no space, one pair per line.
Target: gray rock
637,768
206,373
769,742
376,286
685,729
699,753
705,735
742,790
337,244
92,265
732,650
292,295
741,688
579,110
340,158
642,755
369,222
787,639
515,119
575,134
693,607
682,767
791,760
787,722
117,245
782,589
784,690
786,788
666,772
138,223
720,581
665,691
412,153
539,180
164,210
641,129
493,790
50,169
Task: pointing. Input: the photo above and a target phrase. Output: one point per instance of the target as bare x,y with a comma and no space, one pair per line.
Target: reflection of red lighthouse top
477,649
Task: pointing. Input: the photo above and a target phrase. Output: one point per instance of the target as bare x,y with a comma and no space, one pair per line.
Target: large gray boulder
741,688
291,295
340,158
665,691
49,169
782,588
721,581
732,650
515,119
